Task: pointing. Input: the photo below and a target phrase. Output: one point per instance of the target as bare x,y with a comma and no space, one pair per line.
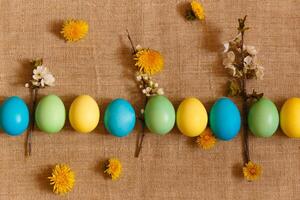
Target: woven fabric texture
172,166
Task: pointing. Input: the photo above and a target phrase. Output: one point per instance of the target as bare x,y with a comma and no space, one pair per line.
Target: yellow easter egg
290,117
84,114
191,117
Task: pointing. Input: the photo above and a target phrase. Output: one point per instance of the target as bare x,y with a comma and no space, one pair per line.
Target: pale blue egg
14,116
225,119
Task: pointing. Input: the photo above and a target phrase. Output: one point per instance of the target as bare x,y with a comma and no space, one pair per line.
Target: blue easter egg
119,118
225,119
14,116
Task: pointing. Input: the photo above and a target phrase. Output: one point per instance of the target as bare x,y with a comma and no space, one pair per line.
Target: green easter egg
159,115
50,114
263,118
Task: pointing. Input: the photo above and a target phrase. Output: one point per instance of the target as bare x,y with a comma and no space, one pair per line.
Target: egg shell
290,117
191,117
159,115
119,118
225,119
84,114
263,118
14,116
50,114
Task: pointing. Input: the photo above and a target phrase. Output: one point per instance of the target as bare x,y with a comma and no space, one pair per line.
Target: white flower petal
148,89
42,83
160,91
138,47
227,61
248,60
251,50
231,68
226,47
259,73
49,79
35,83
36,77
139,78
231,56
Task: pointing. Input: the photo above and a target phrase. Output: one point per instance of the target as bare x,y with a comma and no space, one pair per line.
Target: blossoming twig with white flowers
41,78
242,64
148,62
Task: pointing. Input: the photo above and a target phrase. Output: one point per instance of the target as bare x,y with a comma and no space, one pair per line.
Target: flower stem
245,123
34,94
132,46
141,135
242,30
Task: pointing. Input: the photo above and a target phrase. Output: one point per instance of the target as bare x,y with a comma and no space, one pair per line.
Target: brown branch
245,123
34,94
141,134
132,46
243,83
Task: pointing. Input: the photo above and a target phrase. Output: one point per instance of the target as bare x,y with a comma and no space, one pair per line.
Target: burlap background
170,167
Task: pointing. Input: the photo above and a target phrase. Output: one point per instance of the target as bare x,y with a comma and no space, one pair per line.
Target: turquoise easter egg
159,115
263,118
119,118
225,119
50,114
14,116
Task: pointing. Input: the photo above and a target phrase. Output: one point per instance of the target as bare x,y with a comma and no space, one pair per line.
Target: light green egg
159,115
50,114
263,118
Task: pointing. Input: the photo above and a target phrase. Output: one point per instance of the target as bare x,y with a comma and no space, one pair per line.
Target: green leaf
234,88
256,95
37,62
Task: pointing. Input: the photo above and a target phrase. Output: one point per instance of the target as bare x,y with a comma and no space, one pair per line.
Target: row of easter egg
225,121
50,115
160,117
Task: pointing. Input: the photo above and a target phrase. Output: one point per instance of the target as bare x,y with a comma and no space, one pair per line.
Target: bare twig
141,134
242,30
32,121
132,46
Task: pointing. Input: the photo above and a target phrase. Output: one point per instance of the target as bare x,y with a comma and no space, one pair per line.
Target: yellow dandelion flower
113,168
198,9
252,171
62,179
149,61
74,30
206,140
